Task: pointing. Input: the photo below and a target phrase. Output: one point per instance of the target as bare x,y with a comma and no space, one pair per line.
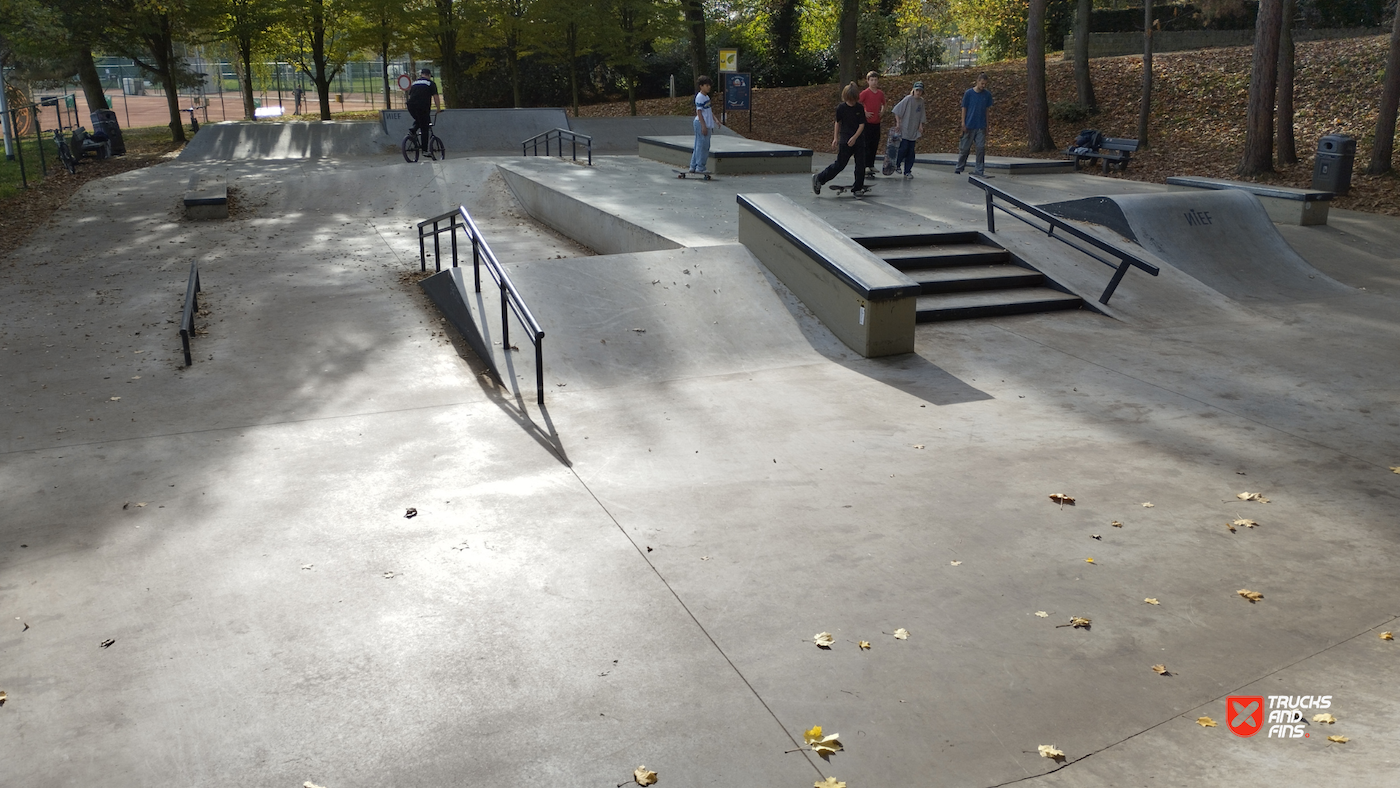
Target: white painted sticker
862,315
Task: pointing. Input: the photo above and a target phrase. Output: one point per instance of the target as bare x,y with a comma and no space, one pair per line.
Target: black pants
422,117
871,138
844,154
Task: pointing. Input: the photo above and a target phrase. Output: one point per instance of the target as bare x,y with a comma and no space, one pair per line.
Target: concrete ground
633,574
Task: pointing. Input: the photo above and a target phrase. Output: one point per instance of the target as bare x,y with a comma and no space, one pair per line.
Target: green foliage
1070,112
1001,24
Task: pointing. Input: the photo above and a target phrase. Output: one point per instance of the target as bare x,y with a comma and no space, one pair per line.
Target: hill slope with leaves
1197,125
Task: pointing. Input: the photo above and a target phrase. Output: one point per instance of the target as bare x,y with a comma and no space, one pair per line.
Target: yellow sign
728,60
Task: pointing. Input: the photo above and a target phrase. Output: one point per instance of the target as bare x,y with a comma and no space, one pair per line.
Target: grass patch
11,180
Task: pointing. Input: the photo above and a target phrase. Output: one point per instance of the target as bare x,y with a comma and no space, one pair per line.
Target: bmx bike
412,147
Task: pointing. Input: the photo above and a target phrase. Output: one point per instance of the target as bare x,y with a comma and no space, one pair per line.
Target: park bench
1285,205
1111,151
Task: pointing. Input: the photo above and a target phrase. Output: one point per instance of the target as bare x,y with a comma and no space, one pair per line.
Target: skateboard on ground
891,152
864,190
683,173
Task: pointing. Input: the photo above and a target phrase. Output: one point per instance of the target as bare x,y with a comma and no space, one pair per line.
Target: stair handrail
526,148
511,300
1126,259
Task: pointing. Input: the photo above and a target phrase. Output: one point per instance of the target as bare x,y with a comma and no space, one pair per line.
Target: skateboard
851,188
891,152
683,173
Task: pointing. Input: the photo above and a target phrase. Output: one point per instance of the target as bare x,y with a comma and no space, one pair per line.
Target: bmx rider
421,94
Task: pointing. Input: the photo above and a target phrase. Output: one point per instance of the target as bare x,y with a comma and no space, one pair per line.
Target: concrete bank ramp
466,131
1224,239
619,135
241,139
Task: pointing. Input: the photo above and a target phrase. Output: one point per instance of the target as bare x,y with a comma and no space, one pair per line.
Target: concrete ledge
728,155
207,198
863,300
599,230
1285,205
1008,165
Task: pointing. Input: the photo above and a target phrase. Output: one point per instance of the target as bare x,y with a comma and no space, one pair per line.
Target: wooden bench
1285,205
1119,153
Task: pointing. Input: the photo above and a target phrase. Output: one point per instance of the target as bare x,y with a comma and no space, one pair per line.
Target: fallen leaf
865,644
307,566
1231,526
1062,499
1096,536
956,563
1049,751
1252,596
1152,600
1395,469
1387,636
830,782
821,745
3,697
106,643
901,634
918,445
411,512
1326,718
1249,496
1116,524
640,330
1246,523
643,776
1147,506
704,558
1079,622
1161,670
823,639
115,399
1041,614
1205,722
309,784
1088,560
1338,739
389,575
143,503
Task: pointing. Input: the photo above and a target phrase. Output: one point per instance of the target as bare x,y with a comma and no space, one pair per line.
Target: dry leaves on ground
1338,739
1062,499
643,776
830,782
1395,469
955,563
1152,600
901,634
1148,505
865,645
1252,596
1387,636
1205,722
1049,751
1249,496
1041,614
1326,719
1078,622
1246,523
3,698
1116,524
1161,670
825,746
1088,560
823,639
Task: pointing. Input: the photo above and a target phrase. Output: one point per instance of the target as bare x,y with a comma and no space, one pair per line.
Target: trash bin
1336,153
105,121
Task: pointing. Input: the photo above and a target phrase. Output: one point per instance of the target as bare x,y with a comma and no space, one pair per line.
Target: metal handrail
511,301
531,147
1125,259
191,307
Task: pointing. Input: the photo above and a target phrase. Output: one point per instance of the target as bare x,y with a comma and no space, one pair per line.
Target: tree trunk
245,58
846,52
783,32
318,57
1037,104
695,22
1083,84
1287,146
384,63
632,91
91,82
162,45
513,62
571,37
1390,97
1263,84
1145,105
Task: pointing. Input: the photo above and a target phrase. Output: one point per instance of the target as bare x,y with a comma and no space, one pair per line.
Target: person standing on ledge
975,103
846,140
421,93
873,99
704,125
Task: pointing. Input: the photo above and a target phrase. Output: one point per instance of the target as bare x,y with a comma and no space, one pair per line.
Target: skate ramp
619,135
1224,239
465,131
239,140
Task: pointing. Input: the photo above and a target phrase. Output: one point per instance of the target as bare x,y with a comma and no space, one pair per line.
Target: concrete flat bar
1010,165
1304,207
728,155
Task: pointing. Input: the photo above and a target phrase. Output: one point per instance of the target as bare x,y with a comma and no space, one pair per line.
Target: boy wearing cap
422,94
909,120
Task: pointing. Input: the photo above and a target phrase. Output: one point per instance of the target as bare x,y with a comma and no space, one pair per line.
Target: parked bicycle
78,144
412,147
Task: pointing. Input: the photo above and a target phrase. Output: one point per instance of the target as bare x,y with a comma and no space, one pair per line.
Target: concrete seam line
1198,706
1211,405
688,612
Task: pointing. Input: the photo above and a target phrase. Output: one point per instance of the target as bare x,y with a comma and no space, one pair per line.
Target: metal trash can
105,121
1336,153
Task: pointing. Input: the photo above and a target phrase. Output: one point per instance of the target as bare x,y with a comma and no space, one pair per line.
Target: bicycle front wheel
435,147
410,149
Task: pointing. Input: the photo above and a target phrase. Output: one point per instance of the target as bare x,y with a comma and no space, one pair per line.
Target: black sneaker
957,170
816,184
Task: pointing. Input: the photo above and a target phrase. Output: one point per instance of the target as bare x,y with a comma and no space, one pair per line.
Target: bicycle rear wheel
410,148
435,147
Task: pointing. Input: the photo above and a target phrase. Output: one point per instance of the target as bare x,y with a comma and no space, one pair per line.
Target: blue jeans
972,137
906,155
701,154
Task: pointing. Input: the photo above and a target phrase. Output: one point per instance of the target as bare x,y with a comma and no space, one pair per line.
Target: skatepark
345,546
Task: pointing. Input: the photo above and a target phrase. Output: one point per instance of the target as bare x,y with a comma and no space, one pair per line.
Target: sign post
728,64
737,94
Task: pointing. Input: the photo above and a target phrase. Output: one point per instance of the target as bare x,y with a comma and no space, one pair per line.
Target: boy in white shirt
704,125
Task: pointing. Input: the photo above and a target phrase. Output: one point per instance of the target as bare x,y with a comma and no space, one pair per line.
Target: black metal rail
531,147
191,308
511,301
1126,260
